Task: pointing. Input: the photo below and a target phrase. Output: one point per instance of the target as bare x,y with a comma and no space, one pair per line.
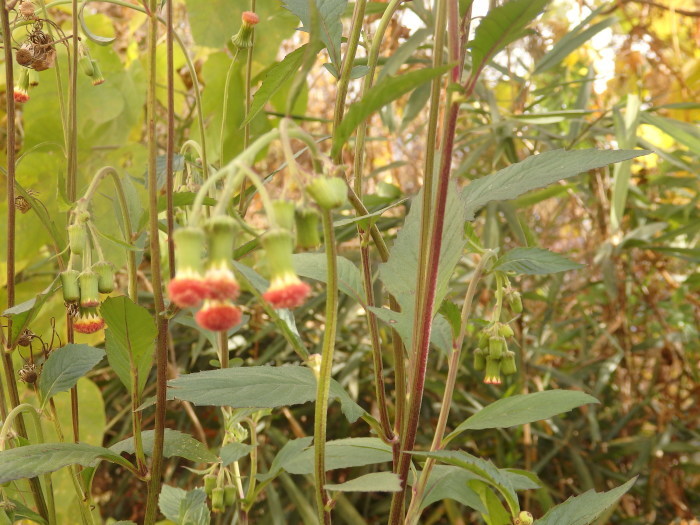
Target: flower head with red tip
88,321
220,281
286,289
188,289
218,316
21,91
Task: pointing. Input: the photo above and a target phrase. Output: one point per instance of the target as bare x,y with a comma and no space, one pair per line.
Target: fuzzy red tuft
88,324
495,380
187,291
250,18
218,316
21,96
287,295
221,285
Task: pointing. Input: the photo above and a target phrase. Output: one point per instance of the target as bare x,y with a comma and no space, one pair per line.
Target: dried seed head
29,373
22,205
24,56
25,337
26,10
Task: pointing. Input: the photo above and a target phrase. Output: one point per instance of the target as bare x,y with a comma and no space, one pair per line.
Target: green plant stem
141,465
224,113
413,513
156,280
223,349
251,492
324,379
16,414
430,244
242,201
358,16
10,134
170,144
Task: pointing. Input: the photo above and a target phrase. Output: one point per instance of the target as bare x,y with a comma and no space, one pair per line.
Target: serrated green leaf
586,508
184,507
378,96
175,444
129,339
536,172
65,366
524,408
500,27
313,266
534,261
24,313
374,482
233,452
329,25
341,453
257,387
34,460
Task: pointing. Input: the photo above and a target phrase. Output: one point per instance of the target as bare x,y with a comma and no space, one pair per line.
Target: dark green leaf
586,508
22,512
329,14
287,453
374,482
34,460
129,339
184,508
24,313
257,387
175,444
534,261
65,366
378,96
233,452
536,172
341,453
450,482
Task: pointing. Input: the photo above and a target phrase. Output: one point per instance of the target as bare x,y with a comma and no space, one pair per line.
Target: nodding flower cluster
83,288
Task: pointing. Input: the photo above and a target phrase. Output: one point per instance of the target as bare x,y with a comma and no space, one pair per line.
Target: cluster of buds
215,286
244,38
84,289
221,497
492,354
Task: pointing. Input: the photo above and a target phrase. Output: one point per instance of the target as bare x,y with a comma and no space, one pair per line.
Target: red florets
218,316
88,323
250,18
21,95
221,284
287,293
187,291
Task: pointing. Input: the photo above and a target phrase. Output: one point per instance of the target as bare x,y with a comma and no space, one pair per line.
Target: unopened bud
229,495
497,345
71,288
85,63
105,276
328,192
244,38
524,518
217,500
493,372
77,238
209,484
505,330
97,77
284,214
479,360
307,228
89,289
515,302
508,365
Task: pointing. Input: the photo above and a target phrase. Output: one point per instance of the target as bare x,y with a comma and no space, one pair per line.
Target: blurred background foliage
624,328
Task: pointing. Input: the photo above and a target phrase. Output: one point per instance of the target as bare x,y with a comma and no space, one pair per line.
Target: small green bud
508,365
89,289
307,228
105,276
71,288
244,38
189,245
284,214
85,63
209,484
221,234
515,302
279,246
483,340
524,518
479,360
97,77
505,330
217,500
328,192
77,238
497,345
493,372
229,495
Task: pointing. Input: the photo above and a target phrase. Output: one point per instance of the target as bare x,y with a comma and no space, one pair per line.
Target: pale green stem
224,114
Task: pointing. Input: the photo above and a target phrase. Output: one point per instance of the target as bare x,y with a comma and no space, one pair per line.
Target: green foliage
175,444
184,507
374,482
534,261
340,454
326,18
65,366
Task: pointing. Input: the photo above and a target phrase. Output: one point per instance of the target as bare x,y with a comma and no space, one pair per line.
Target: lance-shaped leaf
329,25
24,313
374,482
65,366
175,444
340,453
536,172
534,261
129,339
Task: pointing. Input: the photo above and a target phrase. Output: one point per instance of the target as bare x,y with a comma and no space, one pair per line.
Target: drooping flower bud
218,316
187,288
497,345
479,360
105,276
284,214
220,281
286,289
483,340
71,288
217,500
88,321
505,330
85,63
508,365
515,302
77,238
328,192
21,91
244,38
209,483
307,220
229,495
89,289
97,77
493,372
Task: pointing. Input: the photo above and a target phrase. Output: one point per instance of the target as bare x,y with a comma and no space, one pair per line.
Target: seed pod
217,500
24,56
89,289
307,228
497,346
284,214
105,276
505,330
71,288
229,495
328,192
508,365
479,360
209,483
77,238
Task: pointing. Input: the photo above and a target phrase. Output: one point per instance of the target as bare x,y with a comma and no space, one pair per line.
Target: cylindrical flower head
483,340
479,360
218,316
21,91
505,330
97,77
497,345
307,220
244,38
284,214
286,289
328,192
105,276
515,302
229,495
89,289
508,366
209,483
217,500
85,63
77,238
88,321
220,281
71,288
493,372
188,288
